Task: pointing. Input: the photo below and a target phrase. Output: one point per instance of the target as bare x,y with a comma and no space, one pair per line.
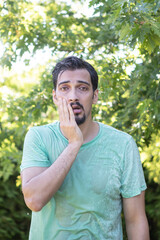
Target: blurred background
121,39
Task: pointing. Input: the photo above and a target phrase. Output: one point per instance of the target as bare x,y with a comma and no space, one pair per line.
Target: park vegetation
121,38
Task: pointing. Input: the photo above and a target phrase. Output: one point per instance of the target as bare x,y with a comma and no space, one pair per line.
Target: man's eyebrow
79,81
63,82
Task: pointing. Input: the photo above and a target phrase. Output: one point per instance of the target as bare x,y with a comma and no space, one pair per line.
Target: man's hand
68,124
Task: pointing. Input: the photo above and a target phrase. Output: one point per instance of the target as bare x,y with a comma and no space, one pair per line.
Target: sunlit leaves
152,153
10,158
132,21
30,26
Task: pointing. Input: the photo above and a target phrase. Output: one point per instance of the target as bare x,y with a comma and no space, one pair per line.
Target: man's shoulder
114,133
45,129
115,140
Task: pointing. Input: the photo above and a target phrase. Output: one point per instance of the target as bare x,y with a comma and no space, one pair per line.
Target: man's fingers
72,117
60,109
65,110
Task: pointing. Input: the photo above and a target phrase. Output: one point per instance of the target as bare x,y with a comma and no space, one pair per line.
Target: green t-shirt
88,204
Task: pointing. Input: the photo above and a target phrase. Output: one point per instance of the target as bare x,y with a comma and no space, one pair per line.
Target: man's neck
89,130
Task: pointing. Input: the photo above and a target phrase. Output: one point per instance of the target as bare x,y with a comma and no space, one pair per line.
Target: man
77,173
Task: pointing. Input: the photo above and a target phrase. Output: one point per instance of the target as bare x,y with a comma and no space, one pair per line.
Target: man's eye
83,88
64,88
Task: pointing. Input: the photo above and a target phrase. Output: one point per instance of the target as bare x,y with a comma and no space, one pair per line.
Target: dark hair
73,63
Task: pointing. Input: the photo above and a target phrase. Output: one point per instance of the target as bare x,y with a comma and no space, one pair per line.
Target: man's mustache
77,104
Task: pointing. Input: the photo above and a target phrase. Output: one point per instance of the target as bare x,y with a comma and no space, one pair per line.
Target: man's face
76,87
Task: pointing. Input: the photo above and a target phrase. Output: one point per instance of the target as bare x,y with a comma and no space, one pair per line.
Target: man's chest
93,176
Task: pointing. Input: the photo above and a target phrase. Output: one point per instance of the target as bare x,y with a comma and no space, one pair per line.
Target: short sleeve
133,182
34,152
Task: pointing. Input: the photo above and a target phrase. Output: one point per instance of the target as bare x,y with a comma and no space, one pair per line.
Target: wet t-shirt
88,204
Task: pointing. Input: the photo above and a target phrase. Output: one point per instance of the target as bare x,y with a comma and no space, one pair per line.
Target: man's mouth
77,108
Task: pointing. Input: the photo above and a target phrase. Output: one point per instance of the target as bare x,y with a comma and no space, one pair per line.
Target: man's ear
95,96
54,97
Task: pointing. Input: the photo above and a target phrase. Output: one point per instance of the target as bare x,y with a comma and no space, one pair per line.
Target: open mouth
76,109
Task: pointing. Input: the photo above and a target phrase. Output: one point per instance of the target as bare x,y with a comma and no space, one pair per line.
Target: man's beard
79,120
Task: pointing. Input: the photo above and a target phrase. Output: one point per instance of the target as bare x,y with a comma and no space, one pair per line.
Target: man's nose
72,96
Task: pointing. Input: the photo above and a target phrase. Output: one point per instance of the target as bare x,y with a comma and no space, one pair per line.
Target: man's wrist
75,145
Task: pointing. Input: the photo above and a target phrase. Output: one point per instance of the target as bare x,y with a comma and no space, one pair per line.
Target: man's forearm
39,190
138,230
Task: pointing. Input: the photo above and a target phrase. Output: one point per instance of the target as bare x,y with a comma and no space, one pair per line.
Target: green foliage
132,21
18,113
119,35
14,215
26,26
152,208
